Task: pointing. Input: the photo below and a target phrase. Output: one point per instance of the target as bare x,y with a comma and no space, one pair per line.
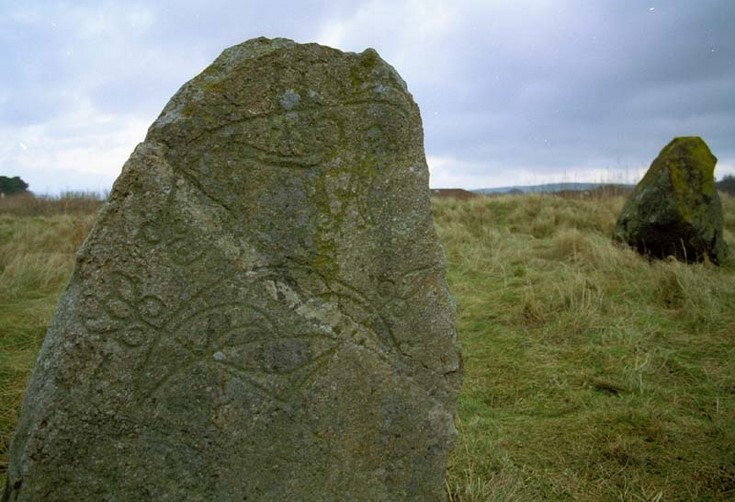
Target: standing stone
260,312
675,209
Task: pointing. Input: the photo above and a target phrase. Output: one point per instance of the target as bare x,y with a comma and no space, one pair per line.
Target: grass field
591,374
38,240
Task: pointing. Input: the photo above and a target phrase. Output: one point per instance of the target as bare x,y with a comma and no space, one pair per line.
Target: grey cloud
600,83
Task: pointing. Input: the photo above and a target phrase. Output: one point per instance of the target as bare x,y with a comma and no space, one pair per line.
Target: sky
511,92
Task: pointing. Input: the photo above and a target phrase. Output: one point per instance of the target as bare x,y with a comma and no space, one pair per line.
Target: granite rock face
675,209
261,311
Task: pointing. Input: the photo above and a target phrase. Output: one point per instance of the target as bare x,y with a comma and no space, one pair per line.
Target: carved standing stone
261,311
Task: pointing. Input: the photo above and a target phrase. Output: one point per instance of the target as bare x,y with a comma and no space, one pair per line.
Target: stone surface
261,311
675,209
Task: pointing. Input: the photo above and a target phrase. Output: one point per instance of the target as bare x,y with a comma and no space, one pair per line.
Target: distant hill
456,193
552,188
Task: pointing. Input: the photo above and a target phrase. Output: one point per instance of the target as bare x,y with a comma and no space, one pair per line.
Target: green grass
591,373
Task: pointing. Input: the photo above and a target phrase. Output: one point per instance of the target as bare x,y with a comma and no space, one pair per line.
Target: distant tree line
727,184
14,185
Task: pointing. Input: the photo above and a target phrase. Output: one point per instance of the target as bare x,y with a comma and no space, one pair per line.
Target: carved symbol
307,137
174,238
128,314
242,341
232,337
363,317
173,233
235,338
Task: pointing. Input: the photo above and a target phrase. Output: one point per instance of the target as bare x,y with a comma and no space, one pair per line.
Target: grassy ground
591,374
38,240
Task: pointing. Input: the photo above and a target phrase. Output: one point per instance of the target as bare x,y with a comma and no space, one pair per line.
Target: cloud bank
510,92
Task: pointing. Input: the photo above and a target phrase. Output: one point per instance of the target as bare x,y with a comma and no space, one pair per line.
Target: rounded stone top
264,76
685,157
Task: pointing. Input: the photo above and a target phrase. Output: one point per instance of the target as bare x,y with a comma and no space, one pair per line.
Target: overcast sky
511,92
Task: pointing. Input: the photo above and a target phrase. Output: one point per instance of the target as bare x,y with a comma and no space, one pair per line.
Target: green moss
683,154
369,59
360,73
211,86
328,234
691,170
688,164
325,260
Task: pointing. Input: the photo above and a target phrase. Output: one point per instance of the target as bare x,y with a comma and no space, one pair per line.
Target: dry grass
66,203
